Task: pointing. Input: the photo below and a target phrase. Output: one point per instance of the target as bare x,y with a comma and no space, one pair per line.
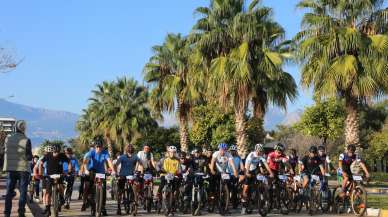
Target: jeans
12,179
37,188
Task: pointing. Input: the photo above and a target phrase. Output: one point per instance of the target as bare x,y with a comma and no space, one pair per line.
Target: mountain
41,123
292,117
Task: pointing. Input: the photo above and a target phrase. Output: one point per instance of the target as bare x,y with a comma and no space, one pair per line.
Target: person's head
56,149
351,149
21,126
293,152
259,148
146,148
69,152
118,154
233,150
313,151
171,151
129,149
207,152
279,149
321,150
183,156
196,152
98,146
222,147
36,158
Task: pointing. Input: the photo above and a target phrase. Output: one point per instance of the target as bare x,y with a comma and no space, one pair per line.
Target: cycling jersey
55,163
222,161
254,160
74,166
200,164
311,165
186,165
145,159
236,161
128,164
171,165
275,160
97,160
347,161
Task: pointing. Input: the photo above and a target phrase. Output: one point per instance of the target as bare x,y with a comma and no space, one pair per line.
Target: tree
158,139
343,49
7,61
237,64
255,131
372,119
118,111
168,74
378,148
324,120
211,126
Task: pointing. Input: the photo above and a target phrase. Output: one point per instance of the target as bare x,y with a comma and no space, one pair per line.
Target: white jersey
254,160
143,159
222,161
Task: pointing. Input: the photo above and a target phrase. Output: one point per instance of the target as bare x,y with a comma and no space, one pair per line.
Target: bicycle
313,192
131,194
169,194
223,193
262,195
148,191
55,194
198,196
99,196
183,198
355,196
68,190
325,194
279,195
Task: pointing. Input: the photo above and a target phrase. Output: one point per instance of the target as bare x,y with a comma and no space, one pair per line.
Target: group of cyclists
188,181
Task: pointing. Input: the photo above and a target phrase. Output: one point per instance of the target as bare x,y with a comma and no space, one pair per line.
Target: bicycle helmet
69,150
233,148
351,147
183,154
172,149
223,146
195,151
321,148
49,148
259,147
313,149
279,147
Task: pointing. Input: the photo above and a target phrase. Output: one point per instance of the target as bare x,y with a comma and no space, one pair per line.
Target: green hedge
379,177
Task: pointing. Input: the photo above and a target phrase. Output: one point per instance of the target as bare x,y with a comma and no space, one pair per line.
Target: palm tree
240,45
118,110
343,49
168,74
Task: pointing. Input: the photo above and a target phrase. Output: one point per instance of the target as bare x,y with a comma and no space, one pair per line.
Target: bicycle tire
99,197
55,200
263,201
313,201
359,209
224,199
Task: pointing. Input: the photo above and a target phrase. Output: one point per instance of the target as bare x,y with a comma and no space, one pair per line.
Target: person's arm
322,168
365,169
29,150
242,166
69,165
231,162
76,165
41,166
212,162
268,169
247,165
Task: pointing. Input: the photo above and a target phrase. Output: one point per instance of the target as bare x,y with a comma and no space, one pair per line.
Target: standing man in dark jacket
17,159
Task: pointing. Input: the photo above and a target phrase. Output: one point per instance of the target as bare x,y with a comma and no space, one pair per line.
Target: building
7,126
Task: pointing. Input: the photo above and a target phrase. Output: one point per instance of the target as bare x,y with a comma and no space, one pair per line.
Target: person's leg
11,183
36,187
104,198
23,186
81,187
120,191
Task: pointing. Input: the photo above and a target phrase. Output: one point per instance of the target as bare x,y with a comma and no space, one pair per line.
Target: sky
69,46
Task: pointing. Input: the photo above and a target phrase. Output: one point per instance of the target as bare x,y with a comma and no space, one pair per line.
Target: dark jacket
17,153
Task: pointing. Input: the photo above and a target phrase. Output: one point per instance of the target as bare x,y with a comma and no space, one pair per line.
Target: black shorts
49,184
45,181
250,180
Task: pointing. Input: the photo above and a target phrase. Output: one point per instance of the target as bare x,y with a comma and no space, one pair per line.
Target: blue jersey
236,161
128,164
74,166
97,160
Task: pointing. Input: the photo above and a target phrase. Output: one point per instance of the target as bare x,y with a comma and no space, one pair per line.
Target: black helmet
351,147
69,150
313,149
98,141
279,147
321,148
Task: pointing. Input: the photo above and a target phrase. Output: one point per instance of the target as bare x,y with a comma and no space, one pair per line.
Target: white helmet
172,149
259,147
233,148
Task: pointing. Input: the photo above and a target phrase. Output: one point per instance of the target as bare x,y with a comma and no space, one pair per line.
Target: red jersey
274,160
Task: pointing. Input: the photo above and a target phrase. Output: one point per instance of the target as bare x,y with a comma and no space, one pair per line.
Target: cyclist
169,165
347,162
83,175
70,176
147,162
254,164
129,163
36,177
200,162
311,164
293,159
325,159
277,158
95,160
186,169
54,165
237,162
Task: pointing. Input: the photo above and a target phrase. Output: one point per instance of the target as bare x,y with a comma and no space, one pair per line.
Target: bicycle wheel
338,201
284,201
134,201
263,201
313,201
99,199
358,200
148,200
55,201
224,199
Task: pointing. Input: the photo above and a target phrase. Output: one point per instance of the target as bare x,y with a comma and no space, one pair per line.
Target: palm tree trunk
258,108
110,146
352,131
183,129
241,131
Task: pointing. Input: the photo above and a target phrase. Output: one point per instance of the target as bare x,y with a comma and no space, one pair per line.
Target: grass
378,201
